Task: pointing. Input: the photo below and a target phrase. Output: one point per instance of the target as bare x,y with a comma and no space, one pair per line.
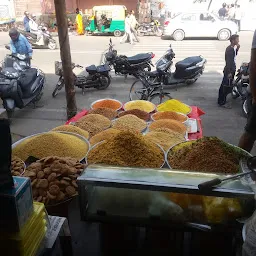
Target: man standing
229,70
26,21
19,43
134,23
231,12
249,136
223,11
127,28
34,29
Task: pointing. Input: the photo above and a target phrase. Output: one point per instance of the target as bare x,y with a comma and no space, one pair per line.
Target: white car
198,24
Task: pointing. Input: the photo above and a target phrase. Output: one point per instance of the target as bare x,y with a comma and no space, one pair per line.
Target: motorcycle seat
188,62
136,59
103,68
91,69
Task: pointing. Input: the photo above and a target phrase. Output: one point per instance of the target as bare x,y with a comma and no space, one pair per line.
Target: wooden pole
61,17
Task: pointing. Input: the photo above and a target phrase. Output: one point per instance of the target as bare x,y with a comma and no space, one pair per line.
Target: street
86,50
227,124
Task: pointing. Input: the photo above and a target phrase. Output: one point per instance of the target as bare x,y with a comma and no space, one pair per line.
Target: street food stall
138,166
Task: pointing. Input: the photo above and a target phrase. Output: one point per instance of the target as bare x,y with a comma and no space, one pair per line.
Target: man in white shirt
134,23
127,28
238,16
231,12
35,30
249,136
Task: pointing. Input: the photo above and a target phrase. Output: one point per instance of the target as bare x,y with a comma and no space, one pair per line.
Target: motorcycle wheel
159,32
138,91
52,45
159,98
57,89
246,107
104,83
140,31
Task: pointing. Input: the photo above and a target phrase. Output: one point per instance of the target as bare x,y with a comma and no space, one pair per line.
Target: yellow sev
174,105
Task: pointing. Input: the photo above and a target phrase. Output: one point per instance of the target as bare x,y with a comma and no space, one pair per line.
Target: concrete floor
225,123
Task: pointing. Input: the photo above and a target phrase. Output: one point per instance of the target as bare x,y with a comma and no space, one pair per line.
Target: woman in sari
79,23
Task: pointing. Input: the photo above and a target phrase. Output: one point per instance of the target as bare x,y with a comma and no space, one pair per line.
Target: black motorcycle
20,84
98,77
123,65
150,29
187,70
241,87
48,41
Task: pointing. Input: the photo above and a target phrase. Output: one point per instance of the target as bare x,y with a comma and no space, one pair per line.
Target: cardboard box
16,205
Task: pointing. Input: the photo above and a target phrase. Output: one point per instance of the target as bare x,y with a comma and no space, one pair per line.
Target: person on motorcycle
19,43
249,136
134,24
34,29
26,21
229,70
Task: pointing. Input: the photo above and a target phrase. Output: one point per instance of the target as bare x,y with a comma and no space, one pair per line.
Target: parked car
198,24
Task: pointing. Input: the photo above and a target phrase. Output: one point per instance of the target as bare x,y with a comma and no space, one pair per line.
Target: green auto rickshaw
107,19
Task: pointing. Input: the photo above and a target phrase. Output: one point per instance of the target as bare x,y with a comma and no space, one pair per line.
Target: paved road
225,123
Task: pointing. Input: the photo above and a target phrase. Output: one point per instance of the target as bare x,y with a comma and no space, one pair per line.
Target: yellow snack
72,128
51,144
141,105
174,105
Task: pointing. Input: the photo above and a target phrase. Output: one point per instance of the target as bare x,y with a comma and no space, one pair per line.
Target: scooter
48,41
20,84
98,77
123,65
187,71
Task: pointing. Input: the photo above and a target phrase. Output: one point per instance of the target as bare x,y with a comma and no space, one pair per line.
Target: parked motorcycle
20,84
187,71
49,42
98,77
124,65
241,87
150,29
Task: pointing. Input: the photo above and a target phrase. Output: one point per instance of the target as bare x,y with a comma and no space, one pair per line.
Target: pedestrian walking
249,136
238,16
134,24
26,21
231,12
79,23
127,27
229,70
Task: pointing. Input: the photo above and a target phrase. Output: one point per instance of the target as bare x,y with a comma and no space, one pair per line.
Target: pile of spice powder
169,115
166,140
93,123
73,129
127,149
51,144
107,112
137,112
209,154
141,105
129,123
170,124
174,105
104,135
107,103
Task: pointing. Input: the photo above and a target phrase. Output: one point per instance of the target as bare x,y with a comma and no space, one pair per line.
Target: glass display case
144,196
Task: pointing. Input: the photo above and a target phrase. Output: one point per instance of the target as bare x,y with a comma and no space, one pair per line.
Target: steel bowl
70,133
97,144
168,151
121,105
141,109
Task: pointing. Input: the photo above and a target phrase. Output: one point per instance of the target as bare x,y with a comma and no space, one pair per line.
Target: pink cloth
77,116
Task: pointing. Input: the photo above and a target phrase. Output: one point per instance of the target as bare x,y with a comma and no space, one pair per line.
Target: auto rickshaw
107,19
